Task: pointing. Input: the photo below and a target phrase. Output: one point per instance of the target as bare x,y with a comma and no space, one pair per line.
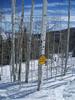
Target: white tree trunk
43,40
21,41
13,40
68,36
29,43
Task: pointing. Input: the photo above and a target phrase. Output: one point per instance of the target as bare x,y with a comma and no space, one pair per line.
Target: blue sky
57,9
7,3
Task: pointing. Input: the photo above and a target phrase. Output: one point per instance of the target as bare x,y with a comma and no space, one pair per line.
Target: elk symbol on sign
42,59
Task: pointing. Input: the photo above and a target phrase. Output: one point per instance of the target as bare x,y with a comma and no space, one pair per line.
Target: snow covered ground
56,88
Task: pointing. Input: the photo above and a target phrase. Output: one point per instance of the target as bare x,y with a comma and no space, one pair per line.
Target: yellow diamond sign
42,59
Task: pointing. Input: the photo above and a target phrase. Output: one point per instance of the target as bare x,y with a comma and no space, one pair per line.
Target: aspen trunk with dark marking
29,44
43,40
21,41
13,40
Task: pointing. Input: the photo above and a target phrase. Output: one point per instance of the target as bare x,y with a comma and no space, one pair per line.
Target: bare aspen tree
13,40
68,36
1,17
29,43
21,41
43,40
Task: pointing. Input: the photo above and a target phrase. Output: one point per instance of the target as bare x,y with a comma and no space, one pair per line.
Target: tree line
5,45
